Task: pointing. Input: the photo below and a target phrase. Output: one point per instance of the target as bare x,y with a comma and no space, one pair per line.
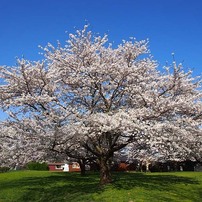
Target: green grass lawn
28,186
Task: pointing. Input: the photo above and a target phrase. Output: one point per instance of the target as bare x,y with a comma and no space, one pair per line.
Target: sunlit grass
28,186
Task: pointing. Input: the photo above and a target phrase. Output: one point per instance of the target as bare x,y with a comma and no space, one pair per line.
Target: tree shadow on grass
59,187
156,184
129,180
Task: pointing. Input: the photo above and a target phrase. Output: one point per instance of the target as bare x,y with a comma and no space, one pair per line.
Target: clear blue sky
171,26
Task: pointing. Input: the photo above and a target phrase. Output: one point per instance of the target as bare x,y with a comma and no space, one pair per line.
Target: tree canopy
89,100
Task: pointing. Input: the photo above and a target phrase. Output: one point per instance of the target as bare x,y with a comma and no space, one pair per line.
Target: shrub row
4,169
37,166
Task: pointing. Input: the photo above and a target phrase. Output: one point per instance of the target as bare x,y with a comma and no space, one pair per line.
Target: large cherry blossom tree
96,99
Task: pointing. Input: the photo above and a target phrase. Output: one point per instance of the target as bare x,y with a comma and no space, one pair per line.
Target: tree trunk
147,163
82,167
105,174
140,167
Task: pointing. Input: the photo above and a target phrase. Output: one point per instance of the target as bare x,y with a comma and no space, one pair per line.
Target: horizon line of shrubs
33,165
4,169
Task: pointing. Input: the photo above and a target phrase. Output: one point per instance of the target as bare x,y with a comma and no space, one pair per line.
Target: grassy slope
25,186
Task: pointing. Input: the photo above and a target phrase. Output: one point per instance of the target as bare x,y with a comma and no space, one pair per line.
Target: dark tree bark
103,149
105,174
82,164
